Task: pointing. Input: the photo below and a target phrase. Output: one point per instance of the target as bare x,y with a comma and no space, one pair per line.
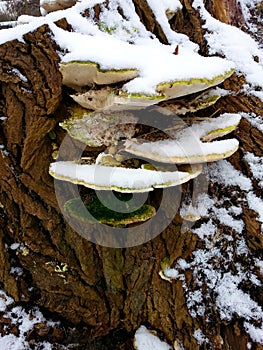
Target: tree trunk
99,289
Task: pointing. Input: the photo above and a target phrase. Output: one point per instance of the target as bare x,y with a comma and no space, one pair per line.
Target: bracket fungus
115,66
98,212
190,145
146,74
180,88
79,74
126,180
192,103
99,128
120,98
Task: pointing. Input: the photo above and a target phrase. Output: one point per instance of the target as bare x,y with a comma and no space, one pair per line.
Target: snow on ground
256,166
17,323
2,5
247,6
236,46
254,120
224,252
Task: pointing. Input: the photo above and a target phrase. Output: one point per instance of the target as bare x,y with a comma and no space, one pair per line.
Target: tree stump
102,289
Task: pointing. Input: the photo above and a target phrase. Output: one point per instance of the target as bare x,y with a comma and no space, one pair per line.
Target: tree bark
101,289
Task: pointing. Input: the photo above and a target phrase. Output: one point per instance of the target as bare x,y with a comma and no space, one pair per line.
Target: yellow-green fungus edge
219,132
209,82
138,95
97,65
102,188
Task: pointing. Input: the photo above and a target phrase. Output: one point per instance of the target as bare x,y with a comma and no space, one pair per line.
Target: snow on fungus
125,180
187,146
99,128
163,277
176,89
109,97
79,74
98,212
220,132
192,103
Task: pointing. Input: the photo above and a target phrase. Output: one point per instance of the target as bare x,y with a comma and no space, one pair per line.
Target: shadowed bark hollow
100,289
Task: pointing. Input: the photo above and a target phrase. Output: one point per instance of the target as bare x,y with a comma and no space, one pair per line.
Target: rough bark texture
102,289
148,19
188,21
226,11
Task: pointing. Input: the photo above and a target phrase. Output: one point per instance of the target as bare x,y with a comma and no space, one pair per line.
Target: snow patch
205,230
226,219
256,333
200,337
224,173
256,166
255,120
231,300
226,40
255,203
24,321
145,340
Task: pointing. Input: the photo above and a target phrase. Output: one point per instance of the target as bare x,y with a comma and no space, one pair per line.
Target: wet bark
96,289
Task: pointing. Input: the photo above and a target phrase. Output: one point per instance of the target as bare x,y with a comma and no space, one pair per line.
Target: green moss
75,209
52,135
105,28
148,167
165,263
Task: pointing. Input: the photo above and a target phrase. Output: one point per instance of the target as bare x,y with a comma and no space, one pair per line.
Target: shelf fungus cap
125,180
96,211
176,89
191,103
106,98
95,99
79,74
190,146
118,99
100,127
